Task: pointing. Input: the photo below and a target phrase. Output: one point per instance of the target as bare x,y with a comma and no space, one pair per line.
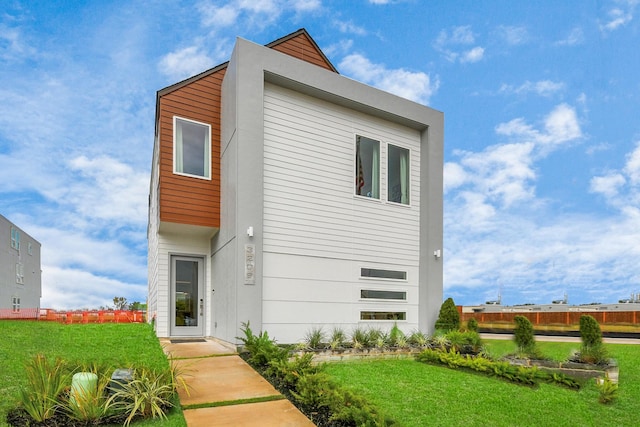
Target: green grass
417,394
117,345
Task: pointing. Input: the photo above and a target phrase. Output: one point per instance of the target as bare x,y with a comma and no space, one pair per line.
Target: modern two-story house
288,196
20,274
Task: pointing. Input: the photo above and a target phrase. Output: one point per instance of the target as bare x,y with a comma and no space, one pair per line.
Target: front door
187,296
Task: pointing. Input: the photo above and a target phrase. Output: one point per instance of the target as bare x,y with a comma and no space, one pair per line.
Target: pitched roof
322,60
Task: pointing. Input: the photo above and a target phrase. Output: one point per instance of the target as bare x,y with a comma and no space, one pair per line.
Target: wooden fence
75,316
557,318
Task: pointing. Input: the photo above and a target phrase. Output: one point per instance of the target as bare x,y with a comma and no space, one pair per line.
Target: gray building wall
242,169
28,256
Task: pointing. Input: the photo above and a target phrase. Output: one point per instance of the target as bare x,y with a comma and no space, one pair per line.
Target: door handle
201,306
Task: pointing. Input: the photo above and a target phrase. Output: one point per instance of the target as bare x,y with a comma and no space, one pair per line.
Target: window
383,274
15,304
374,294
398,175
15,238
191,148
20,273
30,248
367,172
383,315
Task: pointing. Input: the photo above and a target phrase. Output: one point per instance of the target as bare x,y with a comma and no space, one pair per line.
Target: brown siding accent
184,199
194,201
302,47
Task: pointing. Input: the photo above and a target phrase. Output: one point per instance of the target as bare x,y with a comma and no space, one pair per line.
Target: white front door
187,296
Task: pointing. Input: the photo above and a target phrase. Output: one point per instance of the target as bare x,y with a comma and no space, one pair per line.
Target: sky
542,129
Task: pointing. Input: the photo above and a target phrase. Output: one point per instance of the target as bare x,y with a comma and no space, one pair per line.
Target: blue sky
542,129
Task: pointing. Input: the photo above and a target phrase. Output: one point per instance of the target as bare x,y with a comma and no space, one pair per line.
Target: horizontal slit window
383,274
383,315
373,294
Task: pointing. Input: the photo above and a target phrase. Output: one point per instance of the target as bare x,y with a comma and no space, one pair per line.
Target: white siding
317,233
178,244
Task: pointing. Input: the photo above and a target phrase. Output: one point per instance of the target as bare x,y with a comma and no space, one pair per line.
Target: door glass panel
186,293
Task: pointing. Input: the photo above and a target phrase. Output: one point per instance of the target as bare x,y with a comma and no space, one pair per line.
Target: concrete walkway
225,391
560,338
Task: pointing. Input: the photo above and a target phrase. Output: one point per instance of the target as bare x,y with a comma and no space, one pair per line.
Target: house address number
249,264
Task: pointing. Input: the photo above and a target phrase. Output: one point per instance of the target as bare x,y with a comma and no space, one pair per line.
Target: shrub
337,339
592,350
315,338
524,337
472,325
608,391
45,383
149,394
261,348
448,318
464,342
397,338
418,338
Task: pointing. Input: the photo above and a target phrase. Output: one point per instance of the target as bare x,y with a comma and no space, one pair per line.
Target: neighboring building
20,274
285,195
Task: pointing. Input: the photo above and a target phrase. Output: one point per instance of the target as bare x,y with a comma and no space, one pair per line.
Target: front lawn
118,345
417,394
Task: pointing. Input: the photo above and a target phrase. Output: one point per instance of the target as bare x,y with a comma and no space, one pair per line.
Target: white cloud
473,55
68,288
616,18
220,16
607,185
109,190
575,37
451,43
456,36
542,88
513,35
185,62
416,86
349,27
632,167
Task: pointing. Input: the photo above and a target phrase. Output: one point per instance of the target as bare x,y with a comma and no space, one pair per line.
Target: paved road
555,338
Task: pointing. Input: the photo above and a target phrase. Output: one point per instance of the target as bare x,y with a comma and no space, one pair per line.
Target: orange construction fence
76,316
558,318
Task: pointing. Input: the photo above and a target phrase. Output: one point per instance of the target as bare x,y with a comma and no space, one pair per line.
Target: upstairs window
367,171
191,148
398,175
20,273
15,238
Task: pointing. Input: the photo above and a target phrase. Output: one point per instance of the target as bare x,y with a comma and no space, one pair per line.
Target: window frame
356,170
15,238
383,172
408,177
392,279
207,149
402,319
373,299
15,304
20,273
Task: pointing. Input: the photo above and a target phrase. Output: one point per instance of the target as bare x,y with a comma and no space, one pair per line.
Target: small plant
397,338
441,341
472,325
261,348
464,342
448,318
315,338
149,394
45,383
608,391
418,338
338,338
360,338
